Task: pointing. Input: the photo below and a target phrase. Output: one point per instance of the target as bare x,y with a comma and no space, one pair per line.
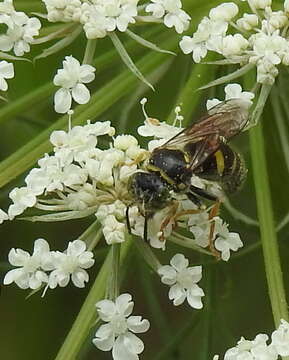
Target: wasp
202,150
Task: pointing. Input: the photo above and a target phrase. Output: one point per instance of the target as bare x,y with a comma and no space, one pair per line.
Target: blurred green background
236,302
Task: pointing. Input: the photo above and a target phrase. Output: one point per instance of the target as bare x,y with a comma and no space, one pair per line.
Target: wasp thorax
150,191
172,165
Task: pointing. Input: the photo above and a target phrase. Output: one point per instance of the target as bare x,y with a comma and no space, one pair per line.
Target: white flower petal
79,278
80,94
106,309
124,304
41,246
18,257
62,101
120,350
177,294
194,297
168,274
179,262
104,338
137,325
76,248
12,276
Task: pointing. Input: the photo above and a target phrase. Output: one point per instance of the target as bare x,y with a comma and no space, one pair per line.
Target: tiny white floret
71,79
29,273
118,334
182,280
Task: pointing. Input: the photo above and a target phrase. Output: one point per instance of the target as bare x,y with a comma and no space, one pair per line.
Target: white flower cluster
20,29
71,79
182,280
100,17
80,179
172,13
49,268
260,37
258,348
232,91
118,334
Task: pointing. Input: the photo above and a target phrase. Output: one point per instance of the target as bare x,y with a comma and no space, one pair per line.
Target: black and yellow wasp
201,150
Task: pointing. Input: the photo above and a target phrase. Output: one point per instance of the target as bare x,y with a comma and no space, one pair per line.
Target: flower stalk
86,317
267,227
114,282
89,52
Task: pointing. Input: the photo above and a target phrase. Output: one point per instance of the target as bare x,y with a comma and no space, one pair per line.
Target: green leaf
147,43
60,45
227,78
61,216
11,57
127,59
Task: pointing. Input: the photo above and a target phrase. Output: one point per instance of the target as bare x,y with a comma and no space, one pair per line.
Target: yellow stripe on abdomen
220,161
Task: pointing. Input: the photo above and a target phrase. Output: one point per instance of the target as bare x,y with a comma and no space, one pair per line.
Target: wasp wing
203,138
226,120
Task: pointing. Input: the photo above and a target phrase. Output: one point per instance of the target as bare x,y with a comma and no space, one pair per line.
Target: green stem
114,282
158,316
179,336
207,316
87,314
147,253
89,52
267,227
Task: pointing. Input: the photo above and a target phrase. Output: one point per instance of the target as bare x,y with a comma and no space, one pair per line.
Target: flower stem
114,281
86,317
89,52
267,227
147,253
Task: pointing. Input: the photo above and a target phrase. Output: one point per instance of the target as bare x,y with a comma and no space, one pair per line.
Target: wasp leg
171,216
187,212
145,229
213,213
194,199
140,158
127,220
203,193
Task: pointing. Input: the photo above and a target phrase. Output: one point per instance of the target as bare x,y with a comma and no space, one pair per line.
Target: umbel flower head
49,268
259,38
79,179
101,17
259,349
118,334
20,29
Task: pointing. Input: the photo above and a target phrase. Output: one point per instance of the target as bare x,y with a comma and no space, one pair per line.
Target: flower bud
224,12
248,22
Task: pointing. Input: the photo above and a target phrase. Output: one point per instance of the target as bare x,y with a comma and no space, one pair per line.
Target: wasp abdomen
226,167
